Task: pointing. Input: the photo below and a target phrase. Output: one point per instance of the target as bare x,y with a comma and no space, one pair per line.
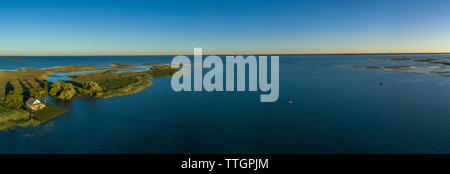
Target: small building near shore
34,104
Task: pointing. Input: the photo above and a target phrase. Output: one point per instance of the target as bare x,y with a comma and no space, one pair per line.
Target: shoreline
137,90
106,84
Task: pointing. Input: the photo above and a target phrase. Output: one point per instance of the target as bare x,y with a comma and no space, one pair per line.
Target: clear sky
108,27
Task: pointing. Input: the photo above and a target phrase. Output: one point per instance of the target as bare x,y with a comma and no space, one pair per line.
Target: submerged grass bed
435,65
15,118
11,119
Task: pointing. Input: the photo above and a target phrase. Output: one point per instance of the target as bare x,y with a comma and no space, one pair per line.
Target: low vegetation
363,67
91,88
15,118
121,66
50,112
397,67
117,84
151,64
413,64
391,58
399,58
24,80
68,69
17,86
425,60
14,99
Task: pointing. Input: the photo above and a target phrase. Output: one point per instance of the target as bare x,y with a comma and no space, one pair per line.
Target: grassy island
151,64
415,64
17,86
426,60
363,66
118,84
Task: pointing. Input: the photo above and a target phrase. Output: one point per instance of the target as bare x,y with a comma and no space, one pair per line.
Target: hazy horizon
223,54
91,28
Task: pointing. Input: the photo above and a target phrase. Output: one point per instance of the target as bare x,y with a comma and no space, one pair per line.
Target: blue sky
102,27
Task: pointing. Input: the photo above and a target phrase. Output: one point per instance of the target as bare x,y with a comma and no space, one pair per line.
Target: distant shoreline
268,54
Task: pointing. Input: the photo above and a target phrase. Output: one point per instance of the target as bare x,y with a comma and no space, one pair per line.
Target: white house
34,104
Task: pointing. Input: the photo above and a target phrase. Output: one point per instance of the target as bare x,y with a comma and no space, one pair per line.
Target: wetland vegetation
17,86
414,64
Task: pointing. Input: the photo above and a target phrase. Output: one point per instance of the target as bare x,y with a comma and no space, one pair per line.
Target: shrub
36,92
14,99
55,88
90,88
68,92
62,90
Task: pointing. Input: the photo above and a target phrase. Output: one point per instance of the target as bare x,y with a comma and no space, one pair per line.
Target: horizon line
222,54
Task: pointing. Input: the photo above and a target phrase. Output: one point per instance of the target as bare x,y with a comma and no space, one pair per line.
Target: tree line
59,90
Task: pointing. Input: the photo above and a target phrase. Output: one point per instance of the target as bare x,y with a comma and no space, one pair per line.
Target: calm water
334,110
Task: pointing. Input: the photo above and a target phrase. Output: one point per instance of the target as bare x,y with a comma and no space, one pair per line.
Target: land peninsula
16,87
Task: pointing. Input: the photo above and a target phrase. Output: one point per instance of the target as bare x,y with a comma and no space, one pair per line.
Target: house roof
33,101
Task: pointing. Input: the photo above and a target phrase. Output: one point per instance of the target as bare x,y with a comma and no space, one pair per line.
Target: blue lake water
334,110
